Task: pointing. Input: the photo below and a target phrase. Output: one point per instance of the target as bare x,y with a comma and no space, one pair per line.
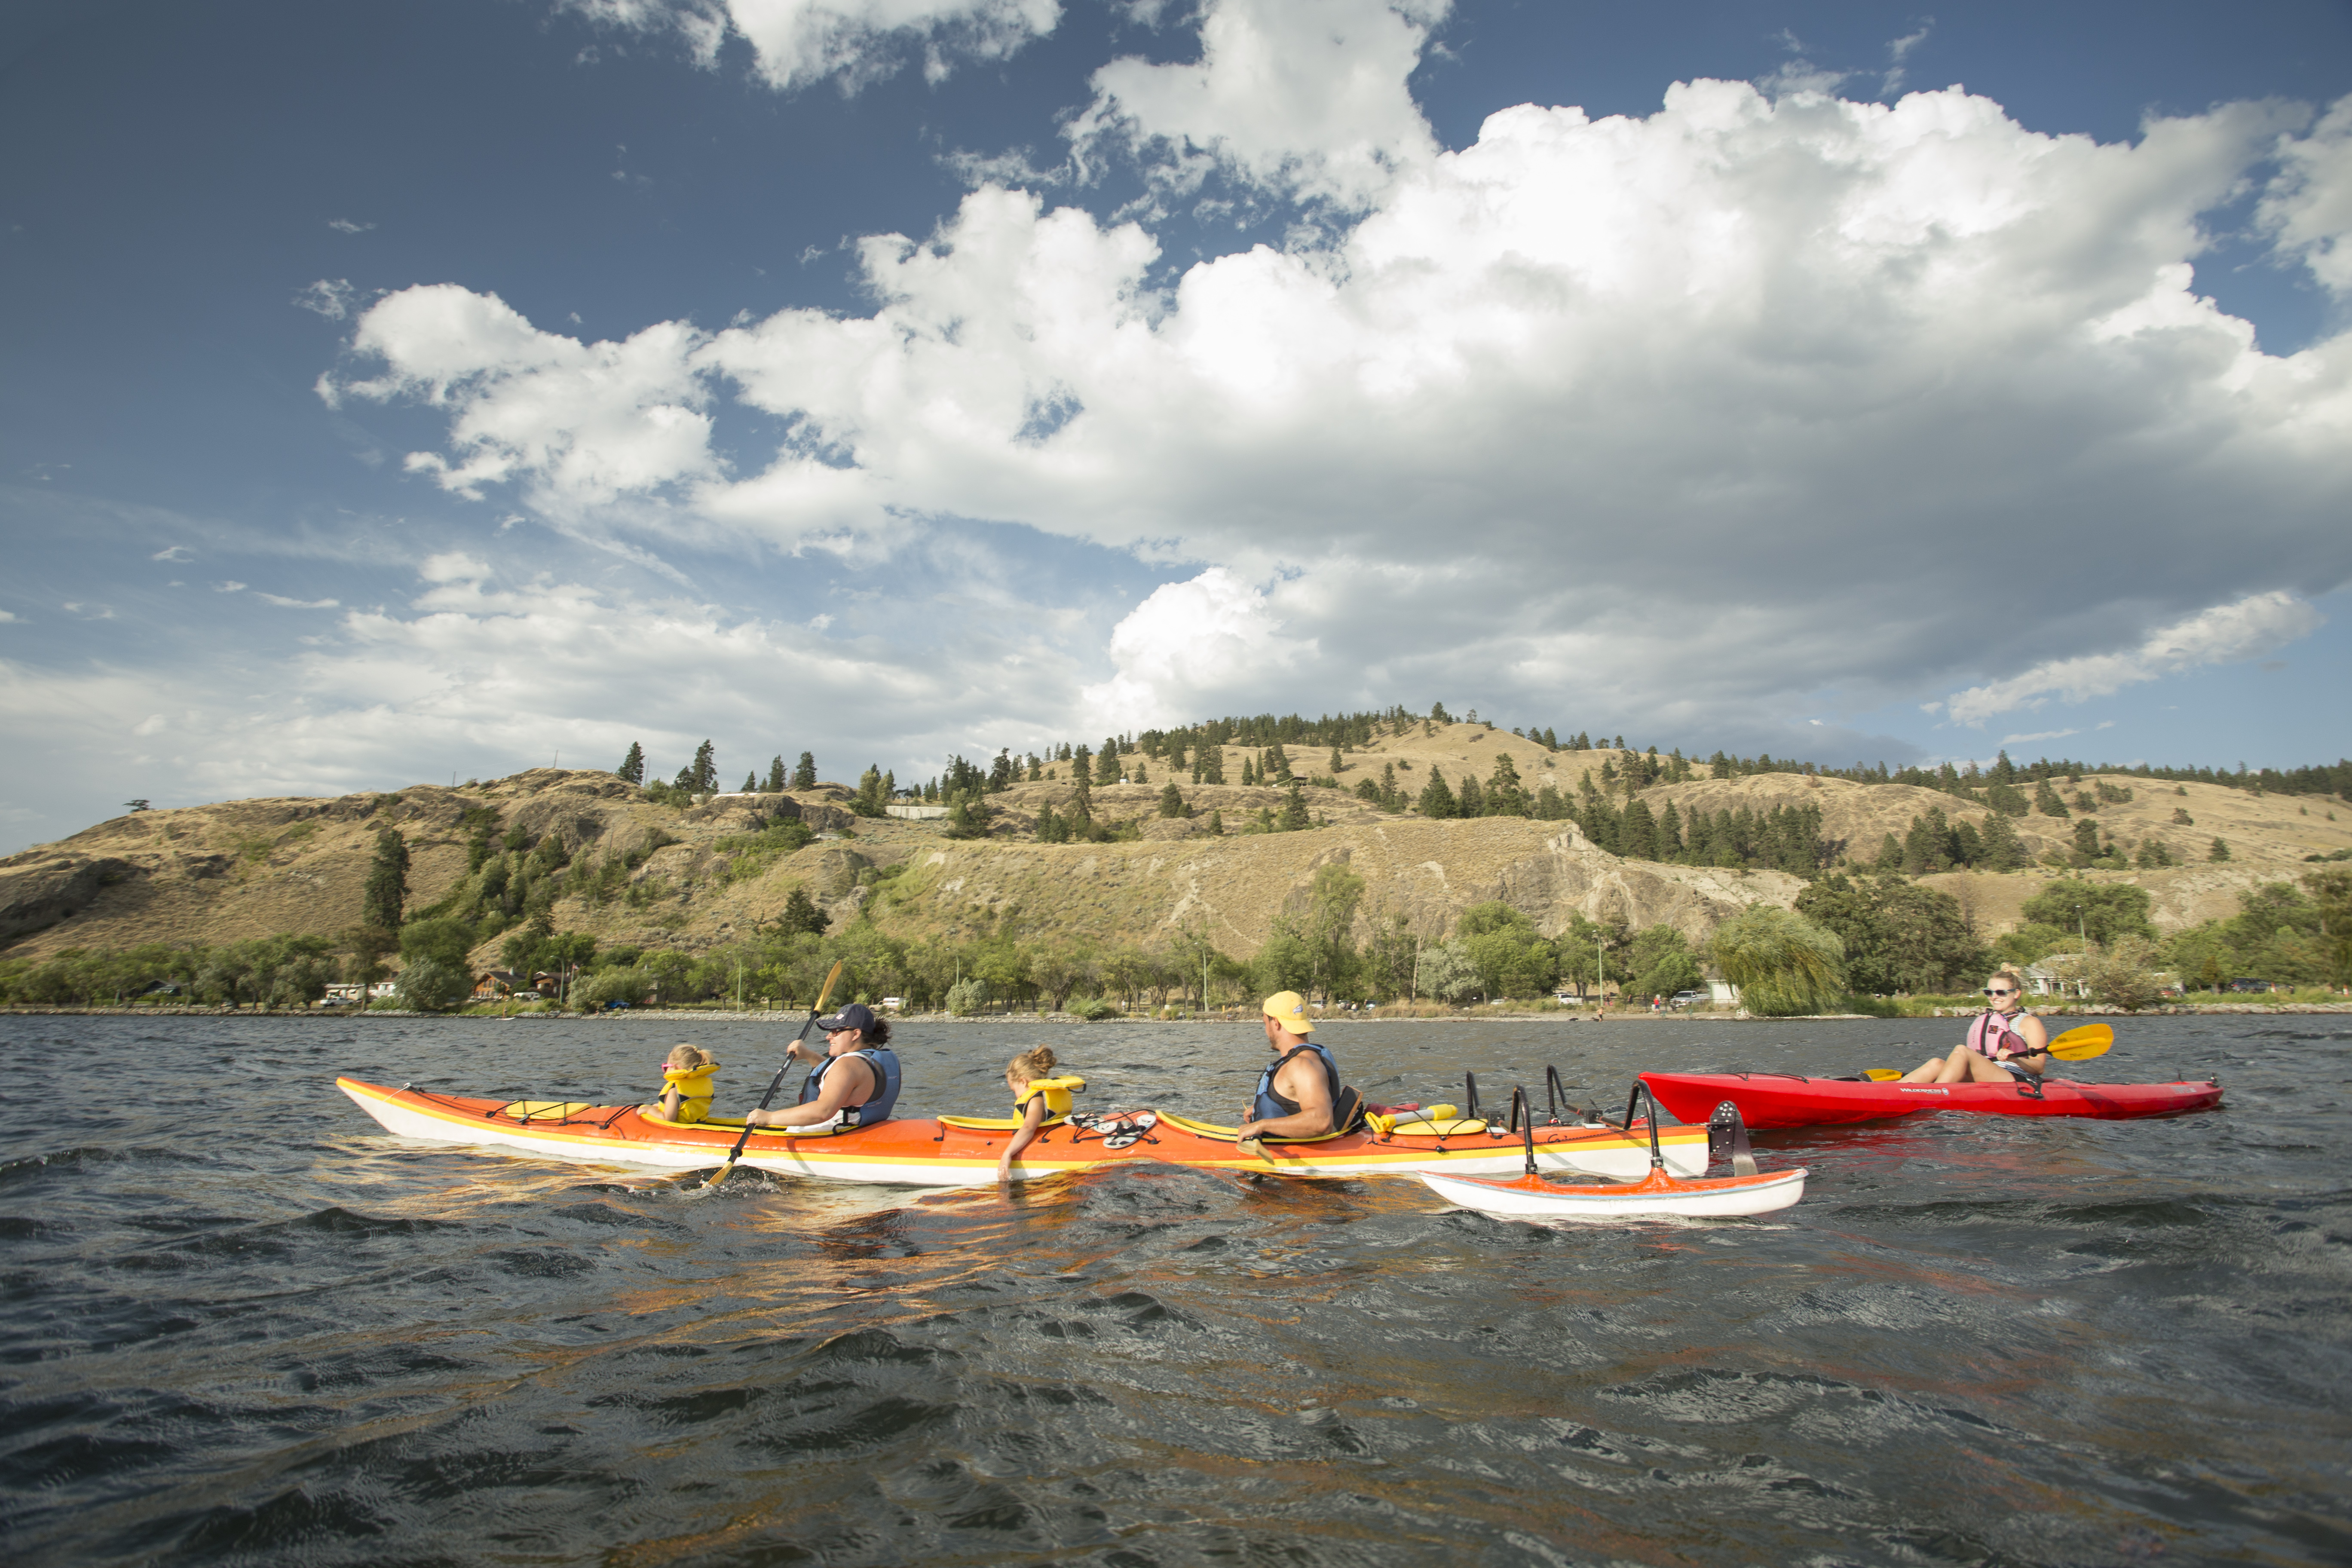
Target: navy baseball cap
856,1016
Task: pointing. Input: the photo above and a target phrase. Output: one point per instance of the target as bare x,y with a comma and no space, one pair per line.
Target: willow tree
1782,962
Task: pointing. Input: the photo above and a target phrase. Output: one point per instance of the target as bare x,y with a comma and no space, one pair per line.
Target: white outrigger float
1537,1194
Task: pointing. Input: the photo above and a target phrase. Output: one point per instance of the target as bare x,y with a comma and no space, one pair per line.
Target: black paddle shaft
774,1084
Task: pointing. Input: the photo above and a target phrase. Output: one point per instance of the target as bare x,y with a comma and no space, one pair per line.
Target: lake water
243,1325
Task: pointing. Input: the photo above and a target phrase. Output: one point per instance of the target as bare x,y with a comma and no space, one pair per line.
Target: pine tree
1338,767
1436,800
632,766
386,893
1216,825
1275,766
706,769
1082,798
2220,850
1506,795
775,784
1390,799
2000,848
1213,764
1890,853
1472,800
2046,801
1172,800
804,775
1670,833
1637,832
1249,772
801,914
868,800
750,784
1294,810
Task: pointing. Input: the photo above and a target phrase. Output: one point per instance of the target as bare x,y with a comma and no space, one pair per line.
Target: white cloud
1187,645
345,225
2307,206
329,297
7,615
2226,634
796,42
231,586
1304,96
296,604
1802,366
2037,735
173,552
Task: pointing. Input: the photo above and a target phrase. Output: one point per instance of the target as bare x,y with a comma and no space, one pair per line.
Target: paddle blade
830,976
2081,1044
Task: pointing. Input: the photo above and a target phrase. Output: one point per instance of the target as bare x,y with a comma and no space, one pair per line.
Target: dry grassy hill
257,867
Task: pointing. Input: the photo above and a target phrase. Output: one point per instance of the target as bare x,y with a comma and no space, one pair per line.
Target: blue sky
400,392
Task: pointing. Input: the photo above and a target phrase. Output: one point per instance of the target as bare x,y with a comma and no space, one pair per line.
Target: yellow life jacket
1056,1090
693,1086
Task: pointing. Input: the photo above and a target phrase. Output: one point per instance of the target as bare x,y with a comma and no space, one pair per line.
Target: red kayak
1784,1099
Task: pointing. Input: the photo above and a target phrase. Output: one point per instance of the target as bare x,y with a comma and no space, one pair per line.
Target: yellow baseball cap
1288,1008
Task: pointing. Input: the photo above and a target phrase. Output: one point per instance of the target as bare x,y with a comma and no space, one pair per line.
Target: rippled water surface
243,1324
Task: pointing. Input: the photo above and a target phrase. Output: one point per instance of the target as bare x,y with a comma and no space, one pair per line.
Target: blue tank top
1269,1105
885,1063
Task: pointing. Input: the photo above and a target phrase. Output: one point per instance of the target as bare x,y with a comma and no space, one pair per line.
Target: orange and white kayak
960,1151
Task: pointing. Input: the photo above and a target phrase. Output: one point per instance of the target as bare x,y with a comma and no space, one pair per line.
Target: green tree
1172,800
1898,936
868,800
801,914
1436,800
1509,956
2086,839
1506,795
2046,801
2103,911
1662,964
705,770
1107,763
632,766
1782,962
385,895
2221,850
1286,961
1294,811
1331,902
1388,959
777,778
1637,832
431,985
804,774
2000,848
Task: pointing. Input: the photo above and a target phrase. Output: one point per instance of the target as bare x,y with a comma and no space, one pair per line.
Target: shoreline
733,1016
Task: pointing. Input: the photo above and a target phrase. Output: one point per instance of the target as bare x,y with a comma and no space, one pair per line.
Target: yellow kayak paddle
2075,1045
777,1082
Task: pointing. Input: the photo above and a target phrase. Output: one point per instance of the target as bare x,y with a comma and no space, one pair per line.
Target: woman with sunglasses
2005,1041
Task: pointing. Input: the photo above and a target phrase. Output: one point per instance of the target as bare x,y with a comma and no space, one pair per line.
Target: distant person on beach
686,1083
856,1081
1038,1097
2004,1042
1299,1094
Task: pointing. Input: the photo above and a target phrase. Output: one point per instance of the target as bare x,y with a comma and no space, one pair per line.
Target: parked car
2251,985
1687,998
1568,998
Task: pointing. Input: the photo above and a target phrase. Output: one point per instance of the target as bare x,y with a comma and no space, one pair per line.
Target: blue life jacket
1269,1105
885,1063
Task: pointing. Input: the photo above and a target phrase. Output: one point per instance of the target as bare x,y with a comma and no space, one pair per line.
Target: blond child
686,1083
1037,1096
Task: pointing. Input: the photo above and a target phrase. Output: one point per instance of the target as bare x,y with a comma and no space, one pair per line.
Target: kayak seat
1455,1127
996,1123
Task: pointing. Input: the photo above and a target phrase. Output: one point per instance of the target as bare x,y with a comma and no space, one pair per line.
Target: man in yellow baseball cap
1299,1094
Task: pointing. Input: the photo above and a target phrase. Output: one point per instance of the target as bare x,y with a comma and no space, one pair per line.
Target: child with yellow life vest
686,1083
1037,1097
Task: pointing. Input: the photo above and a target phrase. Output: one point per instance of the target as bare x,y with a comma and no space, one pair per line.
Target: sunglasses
1997,991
